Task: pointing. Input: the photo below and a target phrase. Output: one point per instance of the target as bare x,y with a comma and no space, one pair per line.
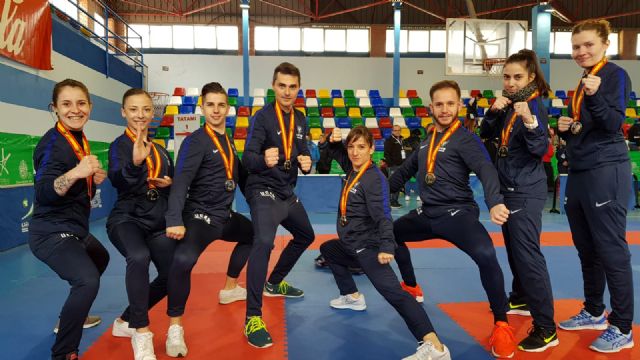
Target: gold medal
153,194
576,127
503,151
343,220
229,185
430,179
287,165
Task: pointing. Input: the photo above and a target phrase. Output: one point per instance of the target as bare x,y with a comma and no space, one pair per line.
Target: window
418,41
562,43
529,43
227,37
266,38
98,25
289,39
160,36
389,46
312,40
613,44
182,37
69,7
357,40
204,37
638,45
437,41
134,40
335,40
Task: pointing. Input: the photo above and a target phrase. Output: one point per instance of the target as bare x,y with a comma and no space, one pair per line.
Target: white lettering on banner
13,41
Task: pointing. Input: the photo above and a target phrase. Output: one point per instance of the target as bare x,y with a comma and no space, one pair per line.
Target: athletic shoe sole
626,346
519,312
502,356
349,307
268,294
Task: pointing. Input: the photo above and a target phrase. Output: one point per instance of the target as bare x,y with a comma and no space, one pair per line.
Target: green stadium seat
350,102
408,112
357,122
348,93
368,112
488,94
340,112
325,102
415,101
315,122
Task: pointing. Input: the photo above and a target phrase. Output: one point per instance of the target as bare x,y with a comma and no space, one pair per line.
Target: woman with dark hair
519,116
598,188
365,231
66,176
141,172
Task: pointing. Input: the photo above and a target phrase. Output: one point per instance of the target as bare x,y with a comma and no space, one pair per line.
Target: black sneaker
539,340
256,332
282,289
396,205
518,309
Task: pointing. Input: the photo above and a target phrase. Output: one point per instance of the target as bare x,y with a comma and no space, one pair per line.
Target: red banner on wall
25,32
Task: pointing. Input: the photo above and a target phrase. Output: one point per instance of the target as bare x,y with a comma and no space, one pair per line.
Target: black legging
140,247
198,236
80,262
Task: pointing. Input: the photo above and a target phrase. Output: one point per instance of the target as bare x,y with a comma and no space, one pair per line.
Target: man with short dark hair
276,148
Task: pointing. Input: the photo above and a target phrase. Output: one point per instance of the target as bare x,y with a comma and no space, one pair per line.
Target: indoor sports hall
362,63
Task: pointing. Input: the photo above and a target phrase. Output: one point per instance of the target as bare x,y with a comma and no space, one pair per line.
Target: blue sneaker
584,321
612,341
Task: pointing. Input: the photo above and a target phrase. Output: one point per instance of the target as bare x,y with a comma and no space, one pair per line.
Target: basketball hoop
160,100
493,66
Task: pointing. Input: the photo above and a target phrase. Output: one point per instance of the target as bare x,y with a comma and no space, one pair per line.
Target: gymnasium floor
306,328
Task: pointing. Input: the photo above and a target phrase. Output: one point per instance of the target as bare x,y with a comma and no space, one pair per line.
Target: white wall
337,73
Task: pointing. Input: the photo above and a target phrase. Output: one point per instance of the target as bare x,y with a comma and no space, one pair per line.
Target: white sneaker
238,293
427,351
122,329
349,302
89,322
142,344
407,198
176,346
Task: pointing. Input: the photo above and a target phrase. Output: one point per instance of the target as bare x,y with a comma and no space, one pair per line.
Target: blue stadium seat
300,93
555,111
343,122
413,122
376,102
374,93
379,145
386,132
336,93
561,94
633,96
481,111
230,122
382,112
189,100
232,92
187,109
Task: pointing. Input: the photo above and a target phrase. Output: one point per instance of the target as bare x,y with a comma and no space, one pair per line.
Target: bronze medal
153,194
343,220
229,185
287,165
430,179
503,151
576,127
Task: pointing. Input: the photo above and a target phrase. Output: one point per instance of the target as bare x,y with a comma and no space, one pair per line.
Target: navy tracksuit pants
531,282
267,212
140,247
596,207
80,262
460,227
383,279
198,236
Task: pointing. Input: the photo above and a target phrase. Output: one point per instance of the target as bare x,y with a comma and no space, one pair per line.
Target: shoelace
283,287
143,346
425,350
610,334
255,323
175,335
583,315
502,329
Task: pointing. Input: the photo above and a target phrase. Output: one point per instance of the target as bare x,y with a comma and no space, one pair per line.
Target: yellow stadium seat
402,94
239,143
354,112
552,94
483,102
462,111
426,121
405,133
631,113
255,109
324,93
338,102
242,122
302,110
199,100
171,110
315,133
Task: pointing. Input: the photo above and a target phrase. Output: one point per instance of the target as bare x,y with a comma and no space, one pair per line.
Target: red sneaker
415,291
502,341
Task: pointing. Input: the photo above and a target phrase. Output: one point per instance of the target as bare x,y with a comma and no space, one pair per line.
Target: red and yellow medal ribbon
153,168
227,160
80,151
287,138
578,96
348,186
433,151
506,131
